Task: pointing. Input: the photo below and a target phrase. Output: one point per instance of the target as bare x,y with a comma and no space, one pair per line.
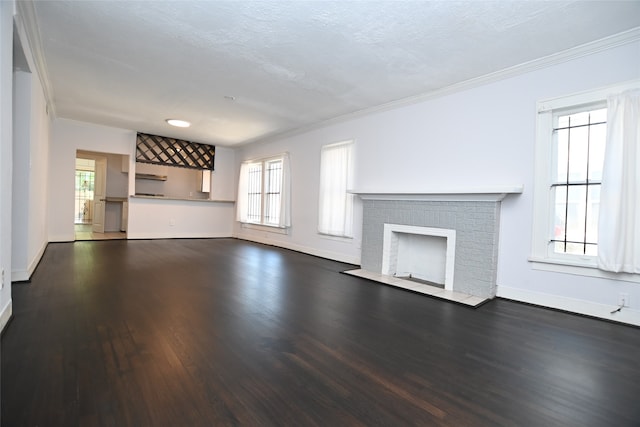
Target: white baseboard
62,238
20,275
5,315
24,275
136,236
335,256
588,308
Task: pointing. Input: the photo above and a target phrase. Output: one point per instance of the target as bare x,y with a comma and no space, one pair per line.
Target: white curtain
335,216
285,194
619,221
242,202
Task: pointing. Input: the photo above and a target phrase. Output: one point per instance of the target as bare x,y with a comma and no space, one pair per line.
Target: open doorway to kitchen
90,201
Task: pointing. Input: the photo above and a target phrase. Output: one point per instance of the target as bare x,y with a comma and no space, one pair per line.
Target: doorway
90,201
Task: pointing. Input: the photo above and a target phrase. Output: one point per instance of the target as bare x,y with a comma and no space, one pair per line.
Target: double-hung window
571,150
263,193
579,139
335,216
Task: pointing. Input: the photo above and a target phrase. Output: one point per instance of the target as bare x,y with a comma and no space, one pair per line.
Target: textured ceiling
288,64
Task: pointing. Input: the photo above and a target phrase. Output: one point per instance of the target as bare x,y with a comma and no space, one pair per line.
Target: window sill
335,237
579,269
262,227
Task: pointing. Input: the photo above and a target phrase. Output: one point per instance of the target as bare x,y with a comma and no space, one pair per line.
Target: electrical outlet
623,299
2,283
172,222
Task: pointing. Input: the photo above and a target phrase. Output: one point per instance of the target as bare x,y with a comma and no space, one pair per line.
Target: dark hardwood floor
224,332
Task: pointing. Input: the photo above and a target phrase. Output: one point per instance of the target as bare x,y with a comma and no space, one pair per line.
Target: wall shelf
151,176
495,193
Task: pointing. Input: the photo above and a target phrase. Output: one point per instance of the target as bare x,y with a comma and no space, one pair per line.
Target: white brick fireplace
446,239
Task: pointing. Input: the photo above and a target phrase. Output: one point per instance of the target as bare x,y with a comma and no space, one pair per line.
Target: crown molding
27,22
567,55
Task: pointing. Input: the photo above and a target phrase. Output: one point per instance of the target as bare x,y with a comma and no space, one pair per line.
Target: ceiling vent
161,150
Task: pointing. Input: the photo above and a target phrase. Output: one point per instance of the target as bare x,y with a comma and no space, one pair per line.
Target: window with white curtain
573,195
263,192
335,216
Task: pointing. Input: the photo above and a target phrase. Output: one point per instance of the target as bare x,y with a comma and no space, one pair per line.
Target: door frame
97,157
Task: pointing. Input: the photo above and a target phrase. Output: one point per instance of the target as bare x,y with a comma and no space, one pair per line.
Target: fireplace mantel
494,194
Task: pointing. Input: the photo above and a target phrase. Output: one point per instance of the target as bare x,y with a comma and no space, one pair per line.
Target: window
272,192
335,215
254,193
579,139
85,182
263,192
571,143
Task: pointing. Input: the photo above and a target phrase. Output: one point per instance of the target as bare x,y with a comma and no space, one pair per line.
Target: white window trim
335,237
541,258
265,227
273,228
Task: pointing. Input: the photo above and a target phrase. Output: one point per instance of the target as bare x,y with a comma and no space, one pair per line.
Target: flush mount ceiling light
178,123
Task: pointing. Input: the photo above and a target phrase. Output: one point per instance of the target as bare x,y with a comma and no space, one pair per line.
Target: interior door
99,195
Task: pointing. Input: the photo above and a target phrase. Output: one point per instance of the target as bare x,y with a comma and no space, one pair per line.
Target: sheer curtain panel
242,202
285,193
335,216
619,222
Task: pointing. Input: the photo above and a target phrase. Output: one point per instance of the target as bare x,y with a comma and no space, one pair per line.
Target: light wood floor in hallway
84,232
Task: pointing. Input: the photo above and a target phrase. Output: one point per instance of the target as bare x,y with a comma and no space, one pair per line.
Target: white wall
30,165
6,97
68,136
482,136
24,142
21,152
223,178
38,176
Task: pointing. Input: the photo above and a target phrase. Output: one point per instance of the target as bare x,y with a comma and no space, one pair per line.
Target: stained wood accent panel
162,150
223,332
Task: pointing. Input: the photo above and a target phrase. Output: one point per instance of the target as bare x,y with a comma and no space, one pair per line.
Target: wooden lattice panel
161,150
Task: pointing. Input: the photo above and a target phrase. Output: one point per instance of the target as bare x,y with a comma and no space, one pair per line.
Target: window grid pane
254,208
580,141
85,181
273,187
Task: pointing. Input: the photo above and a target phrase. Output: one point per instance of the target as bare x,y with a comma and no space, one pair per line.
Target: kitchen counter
161,217
139,196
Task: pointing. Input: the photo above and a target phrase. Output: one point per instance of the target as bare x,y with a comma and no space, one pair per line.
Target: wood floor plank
223,332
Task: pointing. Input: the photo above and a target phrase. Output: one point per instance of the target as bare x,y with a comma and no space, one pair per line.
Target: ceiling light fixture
178,123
